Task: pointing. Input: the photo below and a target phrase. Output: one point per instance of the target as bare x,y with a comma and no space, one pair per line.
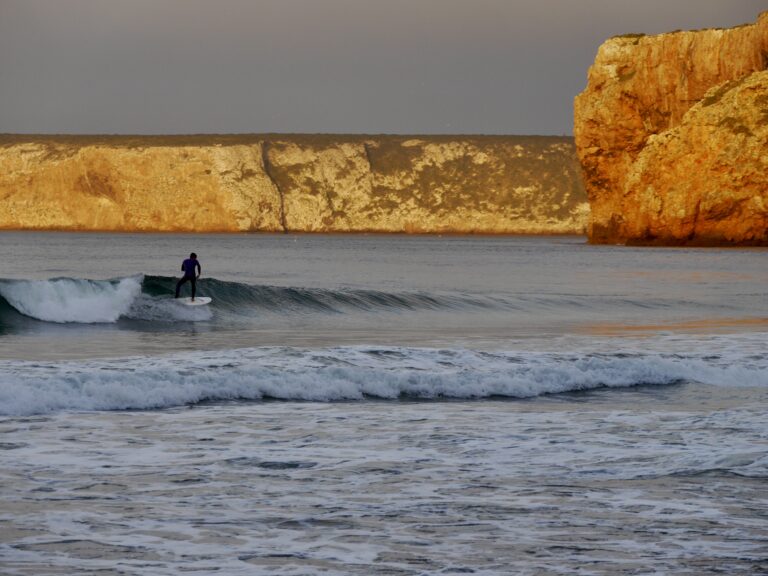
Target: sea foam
84,301
72,299
345,374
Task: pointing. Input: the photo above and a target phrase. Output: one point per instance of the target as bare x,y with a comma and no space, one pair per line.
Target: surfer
191,268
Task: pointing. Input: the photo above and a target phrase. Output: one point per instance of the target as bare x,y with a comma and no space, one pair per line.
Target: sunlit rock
671,135
298,183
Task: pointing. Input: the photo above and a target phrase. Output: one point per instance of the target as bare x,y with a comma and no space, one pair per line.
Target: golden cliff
292,183
672,135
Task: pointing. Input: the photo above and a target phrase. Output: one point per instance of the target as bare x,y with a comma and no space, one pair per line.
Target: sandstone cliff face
436,184
670,138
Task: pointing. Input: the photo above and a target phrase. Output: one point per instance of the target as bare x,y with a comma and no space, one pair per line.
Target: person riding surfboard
192,270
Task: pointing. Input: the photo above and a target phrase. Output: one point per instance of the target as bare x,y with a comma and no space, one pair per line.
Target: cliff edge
292,183
671,132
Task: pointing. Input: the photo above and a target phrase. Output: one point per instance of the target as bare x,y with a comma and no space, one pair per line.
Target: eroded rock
670,138
435,184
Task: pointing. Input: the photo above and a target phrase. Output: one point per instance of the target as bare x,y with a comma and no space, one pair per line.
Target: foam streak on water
356,373
392,488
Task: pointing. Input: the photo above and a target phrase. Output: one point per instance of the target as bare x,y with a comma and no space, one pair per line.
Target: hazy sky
374,66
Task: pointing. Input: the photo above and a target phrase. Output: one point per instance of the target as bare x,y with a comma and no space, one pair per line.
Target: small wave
239,296
149,298
85,301
79,300
342,374
65,300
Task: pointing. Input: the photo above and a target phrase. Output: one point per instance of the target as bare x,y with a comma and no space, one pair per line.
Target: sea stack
672,135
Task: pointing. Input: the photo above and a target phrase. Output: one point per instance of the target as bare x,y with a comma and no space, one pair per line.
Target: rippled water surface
381,405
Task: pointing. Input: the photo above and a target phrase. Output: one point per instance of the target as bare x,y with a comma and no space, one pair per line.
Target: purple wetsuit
190,266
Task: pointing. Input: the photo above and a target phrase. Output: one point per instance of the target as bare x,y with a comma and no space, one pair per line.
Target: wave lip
64,300
344,374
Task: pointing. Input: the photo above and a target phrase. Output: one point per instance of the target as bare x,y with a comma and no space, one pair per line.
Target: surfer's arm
199,269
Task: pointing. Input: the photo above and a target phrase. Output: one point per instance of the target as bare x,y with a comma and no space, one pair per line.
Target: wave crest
64,300
344,374
149,298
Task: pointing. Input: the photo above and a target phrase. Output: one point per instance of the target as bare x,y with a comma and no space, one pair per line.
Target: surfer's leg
179,284
193,280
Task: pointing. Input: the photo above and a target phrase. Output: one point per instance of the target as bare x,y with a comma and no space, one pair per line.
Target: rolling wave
65,300
347,374
78,300
237,296
149,298
84,301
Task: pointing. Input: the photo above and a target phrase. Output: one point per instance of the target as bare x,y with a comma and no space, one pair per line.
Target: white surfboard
199,301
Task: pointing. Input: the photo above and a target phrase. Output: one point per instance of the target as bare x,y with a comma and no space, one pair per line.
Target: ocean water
381,405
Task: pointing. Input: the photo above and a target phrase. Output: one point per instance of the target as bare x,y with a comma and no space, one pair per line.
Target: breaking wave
239,296
149,298
77,300
347,374
72,300
83,301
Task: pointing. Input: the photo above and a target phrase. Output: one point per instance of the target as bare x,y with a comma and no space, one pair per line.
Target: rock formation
296,183
672,134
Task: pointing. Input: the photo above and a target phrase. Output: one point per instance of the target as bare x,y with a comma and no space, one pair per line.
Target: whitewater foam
78,300
344,374
153,309
147,298
84,301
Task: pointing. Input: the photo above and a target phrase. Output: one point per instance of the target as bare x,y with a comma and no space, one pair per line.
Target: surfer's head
193,255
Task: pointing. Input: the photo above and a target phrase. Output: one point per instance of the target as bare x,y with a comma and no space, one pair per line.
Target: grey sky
372,66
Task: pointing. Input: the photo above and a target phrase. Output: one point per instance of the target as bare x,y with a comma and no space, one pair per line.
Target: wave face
76,300
149,298
239,296
348,374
